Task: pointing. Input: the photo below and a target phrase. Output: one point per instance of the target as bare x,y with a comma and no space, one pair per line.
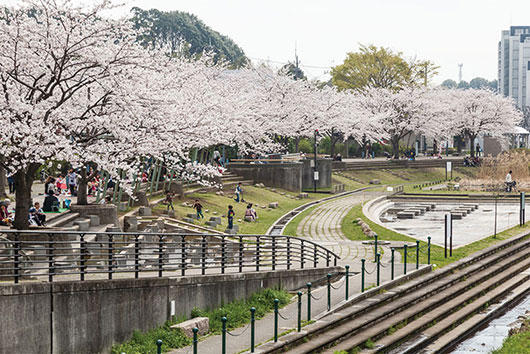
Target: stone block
216,219
303,195
130,224
141,199
122,206
405,215
113,229
273,205
211,223
192,215
84,224
231,231
94,220
188,220
160,224
171,213
201,323
375,181
144,211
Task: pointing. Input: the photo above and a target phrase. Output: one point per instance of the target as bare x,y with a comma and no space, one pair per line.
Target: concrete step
63,220
355,319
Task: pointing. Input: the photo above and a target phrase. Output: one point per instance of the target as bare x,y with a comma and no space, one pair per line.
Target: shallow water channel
491,337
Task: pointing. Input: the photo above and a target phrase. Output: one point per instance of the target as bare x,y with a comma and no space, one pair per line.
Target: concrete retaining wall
108,214
90,316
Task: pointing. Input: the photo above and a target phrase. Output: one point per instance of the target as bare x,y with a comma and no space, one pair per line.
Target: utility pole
315,170
460,72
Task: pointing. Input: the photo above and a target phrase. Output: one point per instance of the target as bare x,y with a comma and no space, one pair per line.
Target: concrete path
323,226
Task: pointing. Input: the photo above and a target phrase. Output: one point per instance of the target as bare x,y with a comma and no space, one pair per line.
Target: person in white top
509,182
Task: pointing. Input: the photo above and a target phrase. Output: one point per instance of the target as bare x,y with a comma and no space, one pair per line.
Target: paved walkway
323,225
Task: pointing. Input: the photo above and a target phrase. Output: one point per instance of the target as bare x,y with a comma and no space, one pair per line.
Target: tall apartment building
514,65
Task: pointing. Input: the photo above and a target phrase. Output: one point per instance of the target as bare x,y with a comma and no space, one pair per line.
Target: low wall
279,175
108,214
90,316
324,174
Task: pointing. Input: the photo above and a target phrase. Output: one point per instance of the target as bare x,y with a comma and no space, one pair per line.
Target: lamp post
315,171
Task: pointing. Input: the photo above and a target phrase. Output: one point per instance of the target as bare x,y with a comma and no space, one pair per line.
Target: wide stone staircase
429,314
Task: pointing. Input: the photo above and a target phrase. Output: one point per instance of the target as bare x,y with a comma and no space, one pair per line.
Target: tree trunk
332,146
471,142
458,139
82,192
23,183
434,147
297,145
3,182
395,148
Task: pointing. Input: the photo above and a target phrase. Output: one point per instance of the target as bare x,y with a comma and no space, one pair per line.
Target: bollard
329,291
417,254
252,328
405,259
393,250
375,247
362,274
299,311
378,258
159,346
195,340
276,301
308,301
347,281
223,336
429,250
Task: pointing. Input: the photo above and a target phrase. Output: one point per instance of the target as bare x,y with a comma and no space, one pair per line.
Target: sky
446,32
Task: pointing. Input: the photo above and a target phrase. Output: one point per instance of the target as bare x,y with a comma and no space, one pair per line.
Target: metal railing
73,255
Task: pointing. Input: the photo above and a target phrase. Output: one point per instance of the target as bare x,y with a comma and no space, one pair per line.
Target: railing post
378,258
404,259
223,254
347,281
299,323
82,252
159,346
327,258
308,301
252,328
195,339
393,250
223,336
240,254
315,256
302,260
276,301
417,254
375,247
288,253
16,260
273,252
51,263
153,176
329,291
257,253
183,255
160,258
429,250
362,274
136,256
203,255
110,255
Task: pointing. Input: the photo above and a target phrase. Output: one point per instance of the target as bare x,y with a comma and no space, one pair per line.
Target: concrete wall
108,214
89,316
279,175
324,174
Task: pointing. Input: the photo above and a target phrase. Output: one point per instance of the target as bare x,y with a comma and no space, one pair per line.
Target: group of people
472,161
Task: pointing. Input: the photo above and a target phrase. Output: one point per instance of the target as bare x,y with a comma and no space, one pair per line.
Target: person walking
11,182
169,200
230,216
239,193
71,178
477,150
198,207
509,182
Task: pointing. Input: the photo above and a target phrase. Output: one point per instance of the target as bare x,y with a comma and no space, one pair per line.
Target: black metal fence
72,255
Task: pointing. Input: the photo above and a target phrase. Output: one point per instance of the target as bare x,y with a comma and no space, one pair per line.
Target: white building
514,65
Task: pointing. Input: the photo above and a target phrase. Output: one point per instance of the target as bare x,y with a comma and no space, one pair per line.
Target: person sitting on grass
5,216
37,214
198,207
230,216
48,202
250,213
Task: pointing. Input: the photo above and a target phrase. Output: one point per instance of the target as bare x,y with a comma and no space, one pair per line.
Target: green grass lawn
517,343
251,194
290,229
354,232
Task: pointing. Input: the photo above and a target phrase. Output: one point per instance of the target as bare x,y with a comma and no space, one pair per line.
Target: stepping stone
192,215
273,205
94,220
211,223
457,215
144,211
83,224
188,220
405,215
216,219
231,231
416,212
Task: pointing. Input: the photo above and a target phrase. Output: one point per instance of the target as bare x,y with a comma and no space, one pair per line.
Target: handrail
52,255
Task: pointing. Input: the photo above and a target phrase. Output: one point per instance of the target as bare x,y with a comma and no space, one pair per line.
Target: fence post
223,336
223,254
82,254
308,301
136,256
315,256
240,254
375,247
429,250
257,253
329,291
404,259
347,281
110,255
195,339
417,254
252,328
183,255
302,254
393,250
362,274
160,260
51,263
273,252
203,255
299,311
378,257
276,301
159,346
288,253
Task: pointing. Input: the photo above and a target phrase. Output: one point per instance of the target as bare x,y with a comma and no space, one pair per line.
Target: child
239,193
169,200
198,206
231,215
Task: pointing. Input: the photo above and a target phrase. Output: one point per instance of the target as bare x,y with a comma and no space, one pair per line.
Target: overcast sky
447,32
